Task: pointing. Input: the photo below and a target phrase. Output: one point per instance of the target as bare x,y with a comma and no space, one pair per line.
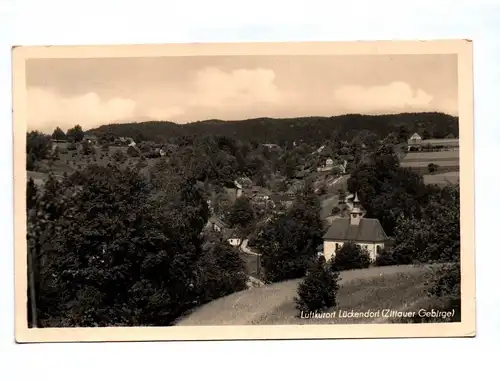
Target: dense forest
310,130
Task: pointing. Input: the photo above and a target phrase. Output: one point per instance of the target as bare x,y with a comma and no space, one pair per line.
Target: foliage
350,256
387,256
436,236
75,134
432,167
222,272
387,191
87,148
310,130
117,255
288,242
119,156
38,146
319,289
336,210
58,134
133,152
241,214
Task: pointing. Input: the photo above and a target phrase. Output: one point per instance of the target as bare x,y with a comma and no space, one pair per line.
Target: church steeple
356,210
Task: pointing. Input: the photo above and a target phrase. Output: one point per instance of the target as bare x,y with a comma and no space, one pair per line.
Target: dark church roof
368,230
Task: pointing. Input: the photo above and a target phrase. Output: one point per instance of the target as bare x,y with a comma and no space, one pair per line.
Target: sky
96,91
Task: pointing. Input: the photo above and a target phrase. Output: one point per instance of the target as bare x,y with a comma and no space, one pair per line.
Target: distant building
366,232
232,236
283,200
216,224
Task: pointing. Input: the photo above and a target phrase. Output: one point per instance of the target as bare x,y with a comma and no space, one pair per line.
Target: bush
336,210
133,152
432,167
319,289
71,146
350,256
119,156
388,257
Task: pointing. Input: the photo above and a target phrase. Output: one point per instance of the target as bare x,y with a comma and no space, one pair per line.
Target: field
447,161
442,179
395,288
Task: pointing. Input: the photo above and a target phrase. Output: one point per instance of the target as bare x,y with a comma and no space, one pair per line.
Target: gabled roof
368,230
415,136
231,233
216,220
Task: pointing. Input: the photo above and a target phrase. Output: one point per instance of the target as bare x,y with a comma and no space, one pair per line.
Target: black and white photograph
244,191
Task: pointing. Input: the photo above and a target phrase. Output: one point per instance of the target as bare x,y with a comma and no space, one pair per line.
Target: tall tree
289,242
241,214
75,134
58,134
37,148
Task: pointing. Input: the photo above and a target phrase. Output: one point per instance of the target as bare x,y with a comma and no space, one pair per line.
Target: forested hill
307,129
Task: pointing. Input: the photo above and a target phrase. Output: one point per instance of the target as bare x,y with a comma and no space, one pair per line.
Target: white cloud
394,97
47,109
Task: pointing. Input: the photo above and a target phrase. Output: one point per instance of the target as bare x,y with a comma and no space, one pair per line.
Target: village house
258,194
329,166
232,235
216,224
366,232
282,200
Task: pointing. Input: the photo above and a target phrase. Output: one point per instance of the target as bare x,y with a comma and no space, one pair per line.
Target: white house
327,166
366,232
233,237
415,139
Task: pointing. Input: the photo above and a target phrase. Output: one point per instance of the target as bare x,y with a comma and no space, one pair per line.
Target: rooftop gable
368,230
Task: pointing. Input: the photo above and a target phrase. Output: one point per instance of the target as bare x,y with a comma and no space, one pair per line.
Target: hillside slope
394,287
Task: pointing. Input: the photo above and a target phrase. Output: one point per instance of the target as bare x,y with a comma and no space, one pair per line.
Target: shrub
119,156
71,146
350,256
133,151
319,289
336,210
432,167
387,257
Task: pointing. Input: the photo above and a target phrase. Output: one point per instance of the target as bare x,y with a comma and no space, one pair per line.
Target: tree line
312,130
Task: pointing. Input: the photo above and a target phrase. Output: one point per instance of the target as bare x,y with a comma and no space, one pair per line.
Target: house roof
216,220
415,136
281,198
368,230
231,233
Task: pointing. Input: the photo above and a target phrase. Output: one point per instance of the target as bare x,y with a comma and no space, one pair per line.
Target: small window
336,245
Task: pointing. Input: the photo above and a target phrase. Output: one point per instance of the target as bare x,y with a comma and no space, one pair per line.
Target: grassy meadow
377,288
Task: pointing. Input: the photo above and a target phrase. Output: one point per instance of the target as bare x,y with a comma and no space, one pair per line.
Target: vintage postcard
244,191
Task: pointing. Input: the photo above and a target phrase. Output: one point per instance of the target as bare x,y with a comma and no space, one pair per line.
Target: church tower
356,212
